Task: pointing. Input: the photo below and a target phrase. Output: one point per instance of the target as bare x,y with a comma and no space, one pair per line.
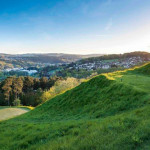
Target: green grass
136,80
100,114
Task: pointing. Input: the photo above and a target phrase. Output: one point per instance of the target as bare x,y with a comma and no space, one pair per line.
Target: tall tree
17,87
36,83
7,88
28,84
44,83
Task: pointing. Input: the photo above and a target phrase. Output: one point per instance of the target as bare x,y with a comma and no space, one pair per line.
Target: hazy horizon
74,27
69,53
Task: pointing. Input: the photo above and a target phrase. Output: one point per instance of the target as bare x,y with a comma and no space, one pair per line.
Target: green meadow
108,112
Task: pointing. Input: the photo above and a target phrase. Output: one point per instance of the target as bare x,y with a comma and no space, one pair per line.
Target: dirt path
6,113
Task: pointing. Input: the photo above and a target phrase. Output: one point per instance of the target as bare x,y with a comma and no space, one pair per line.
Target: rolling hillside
53,58
108,112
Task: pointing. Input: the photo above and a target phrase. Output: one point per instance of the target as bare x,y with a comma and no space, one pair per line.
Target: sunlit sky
74,26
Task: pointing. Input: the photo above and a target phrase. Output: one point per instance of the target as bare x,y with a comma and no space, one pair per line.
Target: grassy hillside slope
110,111
143,70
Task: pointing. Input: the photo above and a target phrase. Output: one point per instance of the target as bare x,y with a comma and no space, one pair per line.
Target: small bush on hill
16,102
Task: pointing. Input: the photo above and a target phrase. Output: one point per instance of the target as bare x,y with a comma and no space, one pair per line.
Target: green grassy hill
108,112
143,70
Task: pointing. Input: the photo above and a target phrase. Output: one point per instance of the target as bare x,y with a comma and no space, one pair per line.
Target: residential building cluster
106,64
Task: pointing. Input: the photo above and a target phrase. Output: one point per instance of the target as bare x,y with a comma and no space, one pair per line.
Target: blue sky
74,26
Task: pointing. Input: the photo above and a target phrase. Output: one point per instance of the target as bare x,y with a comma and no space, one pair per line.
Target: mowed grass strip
8,112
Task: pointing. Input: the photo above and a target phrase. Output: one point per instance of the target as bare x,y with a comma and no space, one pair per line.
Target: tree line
24,90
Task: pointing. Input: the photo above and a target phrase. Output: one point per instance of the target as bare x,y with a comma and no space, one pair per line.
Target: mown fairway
8,112
108,112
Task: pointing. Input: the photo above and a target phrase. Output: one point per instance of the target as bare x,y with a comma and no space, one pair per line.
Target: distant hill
38,60
49,57
110,111
68,58
142,54
30,60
